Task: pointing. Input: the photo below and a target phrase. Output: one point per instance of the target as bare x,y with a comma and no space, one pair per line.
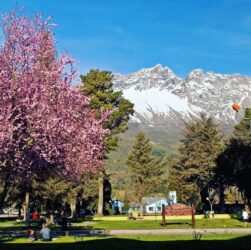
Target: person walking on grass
245,217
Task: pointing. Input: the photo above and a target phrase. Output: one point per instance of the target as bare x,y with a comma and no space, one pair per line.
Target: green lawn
14,225
141,224
133,242
138,224
165,242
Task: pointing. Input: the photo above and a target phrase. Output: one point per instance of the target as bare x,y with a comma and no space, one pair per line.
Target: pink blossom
45,124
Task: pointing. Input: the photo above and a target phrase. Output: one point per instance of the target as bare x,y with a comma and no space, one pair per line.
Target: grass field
138,224
167,242
141,224
170,242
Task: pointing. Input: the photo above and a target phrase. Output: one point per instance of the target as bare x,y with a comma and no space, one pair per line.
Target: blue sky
126,35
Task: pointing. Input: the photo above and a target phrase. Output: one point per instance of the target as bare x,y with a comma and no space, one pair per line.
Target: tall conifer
146,170
98,86
235,162
201,145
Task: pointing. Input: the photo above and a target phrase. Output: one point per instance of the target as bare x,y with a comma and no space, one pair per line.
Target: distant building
172,197
154,204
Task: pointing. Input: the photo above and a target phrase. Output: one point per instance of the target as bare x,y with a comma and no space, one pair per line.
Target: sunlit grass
138,224
156,224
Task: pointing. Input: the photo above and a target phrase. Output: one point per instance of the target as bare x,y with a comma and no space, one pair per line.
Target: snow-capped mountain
160,97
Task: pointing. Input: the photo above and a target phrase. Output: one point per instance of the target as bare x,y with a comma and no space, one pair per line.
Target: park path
22,233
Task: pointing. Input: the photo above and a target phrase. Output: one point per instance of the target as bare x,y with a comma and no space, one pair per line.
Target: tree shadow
108,243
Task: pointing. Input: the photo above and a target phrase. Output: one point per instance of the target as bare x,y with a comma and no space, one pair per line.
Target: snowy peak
157,76
195,74
158,69
159,95
162,103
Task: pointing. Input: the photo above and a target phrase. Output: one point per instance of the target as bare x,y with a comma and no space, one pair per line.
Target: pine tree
98,86
235,162
195,170
146,170
242,131
187,192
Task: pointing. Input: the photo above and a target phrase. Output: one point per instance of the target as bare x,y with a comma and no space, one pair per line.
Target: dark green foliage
187,192
115,163
242,131
195,170
98,86
89,195
146,170
53,193
235,162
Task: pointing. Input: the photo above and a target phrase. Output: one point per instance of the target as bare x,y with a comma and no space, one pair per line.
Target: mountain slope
164,102
160,96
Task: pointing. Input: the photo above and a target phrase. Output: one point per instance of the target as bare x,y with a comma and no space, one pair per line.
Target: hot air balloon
236,107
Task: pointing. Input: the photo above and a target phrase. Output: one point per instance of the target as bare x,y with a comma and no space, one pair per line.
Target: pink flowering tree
45,124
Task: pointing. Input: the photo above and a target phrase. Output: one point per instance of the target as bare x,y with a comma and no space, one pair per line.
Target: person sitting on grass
31,235
45,233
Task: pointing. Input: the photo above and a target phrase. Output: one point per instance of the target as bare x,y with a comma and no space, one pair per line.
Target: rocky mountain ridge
160,97
163,102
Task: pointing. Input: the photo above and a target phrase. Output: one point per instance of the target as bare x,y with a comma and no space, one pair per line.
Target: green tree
188,193
56,193
195,169
90,192
242,131
146,170
98,86
235,162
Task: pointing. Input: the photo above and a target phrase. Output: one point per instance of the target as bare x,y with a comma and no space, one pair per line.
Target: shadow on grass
176,223
240,243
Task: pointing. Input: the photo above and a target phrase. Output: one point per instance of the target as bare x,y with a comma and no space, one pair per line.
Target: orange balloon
236,107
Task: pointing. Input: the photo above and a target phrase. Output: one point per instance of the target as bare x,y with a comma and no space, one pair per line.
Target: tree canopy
146,170
201,145
45,124
235,162
98,86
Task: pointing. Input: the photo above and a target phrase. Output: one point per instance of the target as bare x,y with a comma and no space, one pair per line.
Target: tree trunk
5,189
101,195
19,212
26,209
52,217
141,210
203,196
73,209
222,199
